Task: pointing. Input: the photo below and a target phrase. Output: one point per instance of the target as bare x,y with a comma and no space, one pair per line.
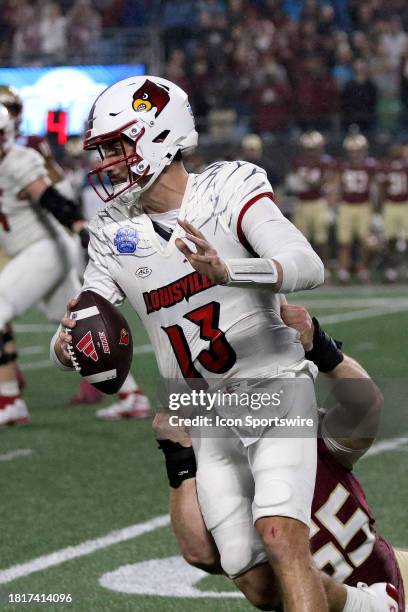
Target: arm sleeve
64,210
30,167
97,276
265,232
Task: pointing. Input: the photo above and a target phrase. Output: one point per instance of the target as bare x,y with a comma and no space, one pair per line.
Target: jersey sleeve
28,167
261,228
97,276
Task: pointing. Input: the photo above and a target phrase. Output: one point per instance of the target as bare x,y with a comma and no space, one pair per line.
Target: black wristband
63,209
326,352
180,462
84,237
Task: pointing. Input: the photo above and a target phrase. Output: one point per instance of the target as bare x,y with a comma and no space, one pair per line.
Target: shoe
87,394
343,276
21,380
130,405
390,275
363,276
383,597
13,411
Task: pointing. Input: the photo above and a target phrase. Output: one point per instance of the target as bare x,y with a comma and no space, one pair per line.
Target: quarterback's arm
349,428
265,232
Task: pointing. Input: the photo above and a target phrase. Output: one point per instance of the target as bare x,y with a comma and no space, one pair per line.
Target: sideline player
198,329
41,269
309,177
131,401
394,195
343,539
356,176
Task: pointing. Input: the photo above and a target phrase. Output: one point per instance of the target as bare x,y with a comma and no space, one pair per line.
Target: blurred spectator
404,85
175,69
316,95
359,99
342,71
273,103
383,72
83,27
178,20
52,32
394,41
26,40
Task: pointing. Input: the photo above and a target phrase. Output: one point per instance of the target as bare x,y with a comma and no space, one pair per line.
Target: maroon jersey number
335,556
218,358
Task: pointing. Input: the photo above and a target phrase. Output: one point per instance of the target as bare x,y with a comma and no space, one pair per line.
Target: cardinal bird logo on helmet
150,95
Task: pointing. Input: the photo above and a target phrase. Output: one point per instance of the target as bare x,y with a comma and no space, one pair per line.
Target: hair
178,156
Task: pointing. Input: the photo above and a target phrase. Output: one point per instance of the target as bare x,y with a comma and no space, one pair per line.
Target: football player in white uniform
229,233
131,401
41,268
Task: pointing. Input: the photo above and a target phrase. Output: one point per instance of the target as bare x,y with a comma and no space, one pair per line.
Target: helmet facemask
148,113
100,178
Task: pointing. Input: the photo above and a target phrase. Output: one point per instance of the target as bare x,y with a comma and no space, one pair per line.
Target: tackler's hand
298,318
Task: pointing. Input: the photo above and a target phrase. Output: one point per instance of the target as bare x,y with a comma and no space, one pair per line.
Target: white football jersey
199,329
22,223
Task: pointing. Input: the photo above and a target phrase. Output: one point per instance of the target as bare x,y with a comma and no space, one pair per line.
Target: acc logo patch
124,337
150,95
143,272
126,240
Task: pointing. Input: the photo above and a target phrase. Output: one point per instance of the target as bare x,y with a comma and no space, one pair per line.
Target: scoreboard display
57,99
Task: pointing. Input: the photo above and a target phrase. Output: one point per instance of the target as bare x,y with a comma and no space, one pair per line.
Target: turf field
84,503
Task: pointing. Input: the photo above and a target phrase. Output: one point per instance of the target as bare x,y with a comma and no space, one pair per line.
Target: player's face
112,154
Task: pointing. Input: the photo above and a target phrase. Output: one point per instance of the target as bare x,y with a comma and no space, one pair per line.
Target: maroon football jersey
356,179
310,176
343,540
394,175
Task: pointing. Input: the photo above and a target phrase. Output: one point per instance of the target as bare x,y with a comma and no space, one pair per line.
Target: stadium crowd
273,68
276,64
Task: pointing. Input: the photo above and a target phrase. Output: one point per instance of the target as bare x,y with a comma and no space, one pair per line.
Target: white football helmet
149,112
7,137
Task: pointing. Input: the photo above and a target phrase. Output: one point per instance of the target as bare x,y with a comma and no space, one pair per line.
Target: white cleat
383,597
132,405
343,276
13,411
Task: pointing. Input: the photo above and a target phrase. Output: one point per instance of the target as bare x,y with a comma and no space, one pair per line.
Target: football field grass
84,503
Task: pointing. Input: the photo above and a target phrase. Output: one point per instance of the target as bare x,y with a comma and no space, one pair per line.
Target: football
102,348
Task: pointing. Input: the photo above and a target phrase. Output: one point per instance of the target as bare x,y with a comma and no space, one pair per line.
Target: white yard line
364,314
21,452
86,548
359,303
384,446
30,328
128,533
47,363
31,350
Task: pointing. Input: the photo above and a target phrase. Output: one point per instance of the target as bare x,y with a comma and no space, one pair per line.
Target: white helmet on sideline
149,112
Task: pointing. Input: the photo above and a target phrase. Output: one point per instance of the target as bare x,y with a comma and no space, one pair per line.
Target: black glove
84,237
